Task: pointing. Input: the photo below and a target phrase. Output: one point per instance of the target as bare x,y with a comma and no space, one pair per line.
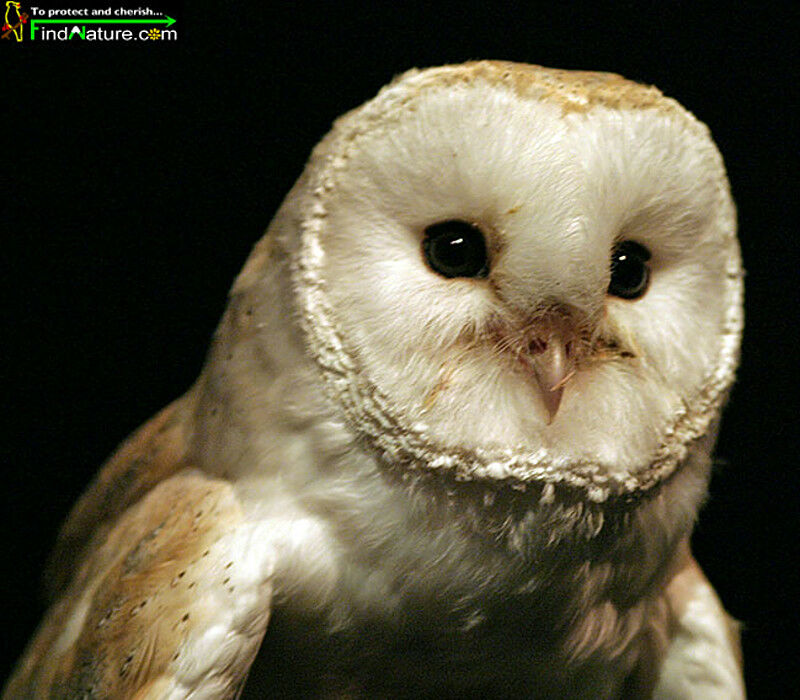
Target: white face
467,356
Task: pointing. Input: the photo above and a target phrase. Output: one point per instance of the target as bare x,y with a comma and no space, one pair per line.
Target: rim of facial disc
397,440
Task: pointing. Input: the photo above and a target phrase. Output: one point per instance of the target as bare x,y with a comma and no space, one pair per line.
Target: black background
135,179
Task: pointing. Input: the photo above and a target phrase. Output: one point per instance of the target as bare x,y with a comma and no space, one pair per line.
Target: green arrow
167,21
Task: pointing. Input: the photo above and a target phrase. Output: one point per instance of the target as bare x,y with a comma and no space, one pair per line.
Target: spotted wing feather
158,596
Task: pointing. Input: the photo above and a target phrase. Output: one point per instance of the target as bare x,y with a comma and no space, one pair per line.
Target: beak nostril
537,346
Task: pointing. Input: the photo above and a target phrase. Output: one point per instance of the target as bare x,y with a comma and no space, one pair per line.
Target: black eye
456,249
630,274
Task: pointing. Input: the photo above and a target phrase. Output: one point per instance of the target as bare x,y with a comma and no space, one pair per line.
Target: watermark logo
103,23
14,21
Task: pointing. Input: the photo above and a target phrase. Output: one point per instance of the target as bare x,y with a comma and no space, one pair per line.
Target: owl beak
552,366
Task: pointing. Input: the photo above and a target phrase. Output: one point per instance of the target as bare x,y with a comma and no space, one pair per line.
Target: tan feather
152,453
132,604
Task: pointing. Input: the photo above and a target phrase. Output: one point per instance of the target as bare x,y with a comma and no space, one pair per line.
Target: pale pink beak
552,366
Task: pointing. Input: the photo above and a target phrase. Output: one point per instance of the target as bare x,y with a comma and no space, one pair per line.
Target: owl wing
153,453
696,651
170,586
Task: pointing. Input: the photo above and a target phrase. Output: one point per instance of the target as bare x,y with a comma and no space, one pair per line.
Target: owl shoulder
154,452
170,601
695,649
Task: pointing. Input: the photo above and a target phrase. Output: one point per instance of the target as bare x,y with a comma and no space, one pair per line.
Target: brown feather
131,605
153,453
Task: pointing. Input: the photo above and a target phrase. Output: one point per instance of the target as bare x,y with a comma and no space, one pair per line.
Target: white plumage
409,481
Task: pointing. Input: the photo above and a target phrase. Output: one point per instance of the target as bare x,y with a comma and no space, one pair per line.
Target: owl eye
630,274
456,249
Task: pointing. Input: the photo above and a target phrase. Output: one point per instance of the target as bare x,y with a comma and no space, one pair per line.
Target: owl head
515,274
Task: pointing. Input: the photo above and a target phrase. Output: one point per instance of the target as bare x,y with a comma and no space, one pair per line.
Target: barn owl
454,428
